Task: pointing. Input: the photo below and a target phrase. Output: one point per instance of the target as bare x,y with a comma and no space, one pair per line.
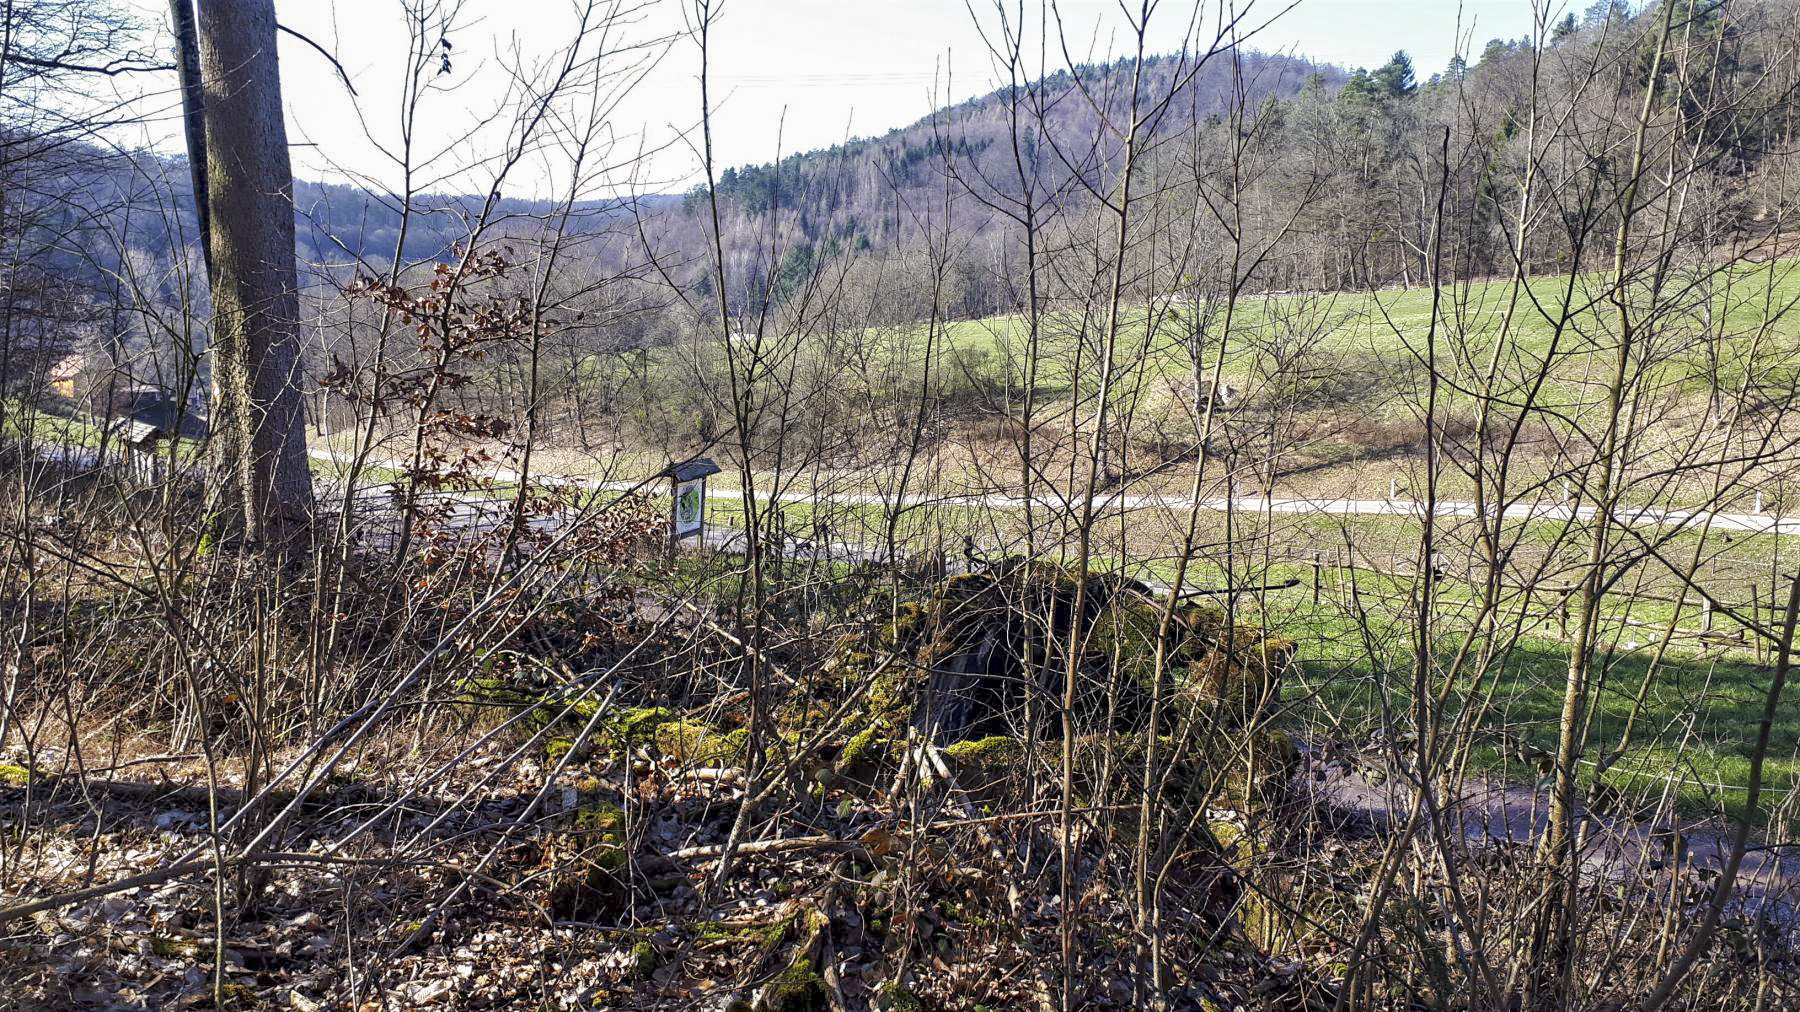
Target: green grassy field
25,422
1692,738
1693,733
1547,320
57,425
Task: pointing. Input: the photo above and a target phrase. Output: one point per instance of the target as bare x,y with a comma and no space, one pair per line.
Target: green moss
643,961
868,757
495,690
738,741
799,988
895,997
908,618
862,743
988,751
636,724
912,619
693,743
594,879
766,936
708,931
857,665
623,727
601,817
613,734
14,775
1232,842
893,692
984,767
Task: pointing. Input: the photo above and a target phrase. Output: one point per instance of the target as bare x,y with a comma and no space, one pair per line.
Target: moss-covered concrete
799,986
644,961
869,758
997,637
695,743
1263,914
593,876
896,997
985,767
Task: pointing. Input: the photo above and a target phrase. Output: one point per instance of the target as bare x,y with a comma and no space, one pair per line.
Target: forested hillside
851,198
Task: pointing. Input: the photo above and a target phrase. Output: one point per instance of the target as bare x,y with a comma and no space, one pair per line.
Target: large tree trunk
257,412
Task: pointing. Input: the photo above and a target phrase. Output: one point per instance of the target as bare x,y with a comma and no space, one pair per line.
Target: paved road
1624,849
1646,516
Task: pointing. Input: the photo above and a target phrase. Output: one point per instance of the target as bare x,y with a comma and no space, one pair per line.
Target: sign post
687,507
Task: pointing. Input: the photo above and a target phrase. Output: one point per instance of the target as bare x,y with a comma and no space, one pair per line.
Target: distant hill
871,191
873,186
336,224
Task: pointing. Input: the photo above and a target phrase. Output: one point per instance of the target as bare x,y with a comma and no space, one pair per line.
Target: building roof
137,401
132,432
688,470
141,412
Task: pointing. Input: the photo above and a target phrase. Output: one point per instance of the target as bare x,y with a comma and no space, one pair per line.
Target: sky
784,75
